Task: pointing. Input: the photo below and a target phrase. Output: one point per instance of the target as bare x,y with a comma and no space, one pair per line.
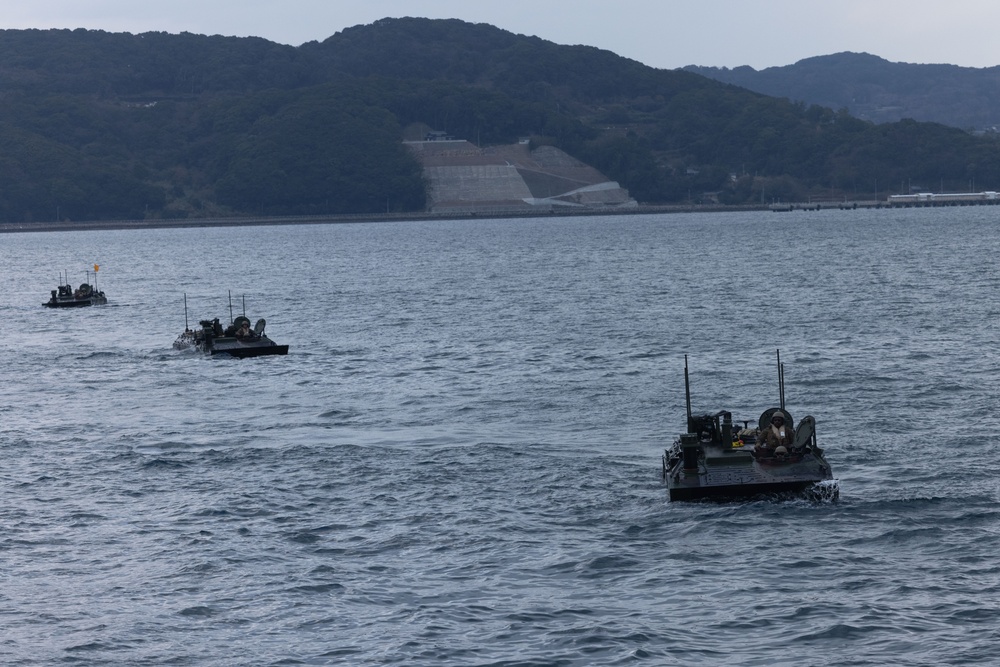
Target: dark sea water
458,463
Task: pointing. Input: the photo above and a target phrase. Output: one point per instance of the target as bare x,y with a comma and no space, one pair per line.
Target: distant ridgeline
875,89
464,178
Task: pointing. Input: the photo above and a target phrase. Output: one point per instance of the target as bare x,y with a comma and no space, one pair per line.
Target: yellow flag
96,267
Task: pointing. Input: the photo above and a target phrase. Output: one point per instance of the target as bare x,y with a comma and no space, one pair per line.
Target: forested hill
102,125
879,90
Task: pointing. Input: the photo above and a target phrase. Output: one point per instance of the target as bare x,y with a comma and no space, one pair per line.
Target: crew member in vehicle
778,434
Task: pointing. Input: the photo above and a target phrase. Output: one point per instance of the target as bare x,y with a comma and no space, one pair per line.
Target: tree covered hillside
101,125
878,90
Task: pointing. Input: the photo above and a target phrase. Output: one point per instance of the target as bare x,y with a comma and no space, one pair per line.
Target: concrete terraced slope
506,179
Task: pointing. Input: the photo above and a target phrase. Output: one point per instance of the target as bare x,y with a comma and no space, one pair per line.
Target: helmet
778,414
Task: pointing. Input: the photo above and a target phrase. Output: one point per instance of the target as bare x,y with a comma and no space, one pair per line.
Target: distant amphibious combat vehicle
64,296
715,459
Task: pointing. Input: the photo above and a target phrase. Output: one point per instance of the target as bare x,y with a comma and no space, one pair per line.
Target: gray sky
660,33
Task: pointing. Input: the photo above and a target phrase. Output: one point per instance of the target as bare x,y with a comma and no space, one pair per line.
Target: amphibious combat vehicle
715,458
236,340
64,296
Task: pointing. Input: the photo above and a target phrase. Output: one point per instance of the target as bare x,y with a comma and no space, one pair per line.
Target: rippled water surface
458,461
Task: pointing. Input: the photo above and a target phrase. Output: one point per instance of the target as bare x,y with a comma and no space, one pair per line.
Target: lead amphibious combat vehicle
236,340
716,459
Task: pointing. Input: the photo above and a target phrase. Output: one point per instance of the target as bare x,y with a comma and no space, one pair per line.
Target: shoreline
256,221
414,216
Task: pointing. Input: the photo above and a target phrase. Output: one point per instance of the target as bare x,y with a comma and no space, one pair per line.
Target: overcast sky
660,33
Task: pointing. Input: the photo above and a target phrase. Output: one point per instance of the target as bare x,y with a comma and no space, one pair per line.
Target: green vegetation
114,126
875,89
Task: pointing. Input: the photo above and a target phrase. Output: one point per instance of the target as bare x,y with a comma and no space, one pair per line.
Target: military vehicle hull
243,349
205,340
719,472
66,297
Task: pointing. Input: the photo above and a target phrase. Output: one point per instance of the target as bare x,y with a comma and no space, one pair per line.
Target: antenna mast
687,391
781,380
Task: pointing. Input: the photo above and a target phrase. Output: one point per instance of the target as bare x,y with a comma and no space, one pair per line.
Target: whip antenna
781,380
687,391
